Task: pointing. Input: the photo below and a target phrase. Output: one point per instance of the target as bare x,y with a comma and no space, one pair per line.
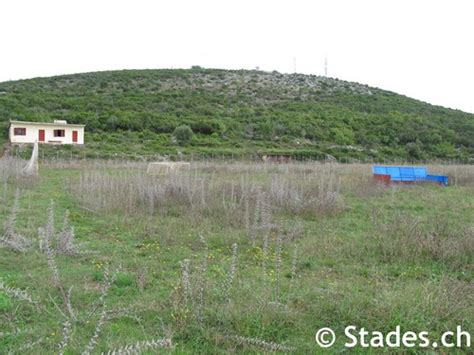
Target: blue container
409,174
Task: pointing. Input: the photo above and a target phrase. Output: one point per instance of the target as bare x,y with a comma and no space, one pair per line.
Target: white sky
420,48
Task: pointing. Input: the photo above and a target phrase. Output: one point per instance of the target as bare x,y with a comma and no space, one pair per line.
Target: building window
59,133
19,131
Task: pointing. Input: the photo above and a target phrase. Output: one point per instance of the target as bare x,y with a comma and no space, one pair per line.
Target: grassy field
224,258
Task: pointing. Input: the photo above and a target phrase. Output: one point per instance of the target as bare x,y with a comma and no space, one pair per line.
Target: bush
205,126
183,134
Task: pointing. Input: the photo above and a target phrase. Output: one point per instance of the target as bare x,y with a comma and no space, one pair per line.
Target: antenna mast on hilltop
326,66
294,65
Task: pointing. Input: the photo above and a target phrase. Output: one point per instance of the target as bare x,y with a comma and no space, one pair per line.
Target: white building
58,132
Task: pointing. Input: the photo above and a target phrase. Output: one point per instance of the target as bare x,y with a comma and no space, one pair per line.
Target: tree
183,134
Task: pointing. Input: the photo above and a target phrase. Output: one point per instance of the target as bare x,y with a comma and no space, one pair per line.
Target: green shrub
183,134
207,126
124,280
5,303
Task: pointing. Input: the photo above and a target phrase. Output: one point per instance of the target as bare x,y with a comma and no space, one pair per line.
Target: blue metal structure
409,174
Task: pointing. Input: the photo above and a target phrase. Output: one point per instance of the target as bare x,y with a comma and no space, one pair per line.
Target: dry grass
227,190
234,257
403,237
10,168
459,175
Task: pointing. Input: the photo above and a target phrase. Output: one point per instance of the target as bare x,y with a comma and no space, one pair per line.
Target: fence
70,155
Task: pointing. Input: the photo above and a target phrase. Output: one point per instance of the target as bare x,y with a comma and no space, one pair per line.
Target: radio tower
326,66
294,65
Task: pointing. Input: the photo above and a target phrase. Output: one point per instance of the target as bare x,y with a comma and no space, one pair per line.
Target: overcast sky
419,48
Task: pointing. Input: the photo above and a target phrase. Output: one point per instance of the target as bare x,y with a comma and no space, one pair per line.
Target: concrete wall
32,133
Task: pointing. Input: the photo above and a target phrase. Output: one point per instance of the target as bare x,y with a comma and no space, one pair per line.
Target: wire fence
59,155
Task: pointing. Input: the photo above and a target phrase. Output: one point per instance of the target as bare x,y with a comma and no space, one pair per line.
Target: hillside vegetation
239,113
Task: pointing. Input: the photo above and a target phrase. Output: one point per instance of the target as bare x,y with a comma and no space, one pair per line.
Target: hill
135,112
